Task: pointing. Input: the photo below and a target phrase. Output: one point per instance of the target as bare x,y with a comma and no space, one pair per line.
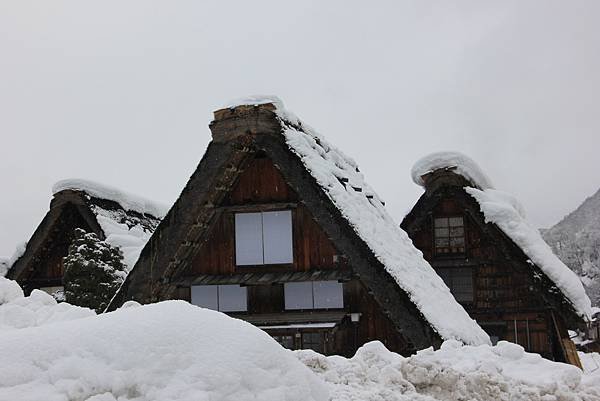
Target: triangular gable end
41,263
239,134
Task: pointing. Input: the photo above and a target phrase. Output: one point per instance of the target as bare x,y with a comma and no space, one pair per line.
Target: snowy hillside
175,351
576,241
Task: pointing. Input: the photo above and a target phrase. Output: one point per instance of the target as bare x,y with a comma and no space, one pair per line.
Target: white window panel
277,237
233,298
328,294
298,295
205,296
248,239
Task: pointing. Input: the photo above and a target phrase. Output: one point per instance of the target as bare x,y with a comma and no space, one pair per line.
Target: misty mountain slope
576,241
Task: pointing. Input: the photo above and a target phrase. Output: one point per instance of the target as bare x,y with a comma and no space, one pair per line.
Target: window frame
312,297
434,236
217,288
263,265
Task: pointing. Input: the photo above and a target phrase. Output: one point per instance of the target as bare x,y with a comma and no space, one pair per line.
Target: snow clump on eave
454,161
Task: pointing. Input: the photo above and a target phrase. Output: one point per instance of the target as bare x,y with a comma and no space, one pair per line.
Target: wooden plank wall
502,289
48,266
261,183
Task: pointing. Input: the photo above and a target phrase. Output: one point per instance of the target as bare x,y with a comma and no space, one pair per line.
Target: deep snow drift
166,351
455,372
179,352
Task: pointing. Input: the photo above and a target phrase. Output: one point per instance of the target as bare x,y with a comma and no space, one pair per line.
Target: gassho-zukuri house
121,219
495,263
279,228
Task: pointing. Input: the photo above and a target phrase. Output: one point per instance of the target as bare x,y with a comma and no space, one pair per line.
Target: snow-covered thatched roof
124,220
340,178
127,220
508,214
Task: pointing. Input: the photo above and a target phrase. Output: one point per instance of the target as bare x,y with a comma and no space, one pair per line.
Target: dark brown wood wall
262,185
47,268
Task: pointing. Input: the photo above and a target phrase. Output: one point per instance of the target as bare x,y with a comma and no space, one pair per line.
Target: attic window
263,238
449,234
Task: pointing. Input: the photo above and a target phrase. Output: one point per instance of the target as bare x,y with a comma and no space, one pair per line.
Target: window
263,238
449,233
312,341
286,341
314,295
460,282
224,298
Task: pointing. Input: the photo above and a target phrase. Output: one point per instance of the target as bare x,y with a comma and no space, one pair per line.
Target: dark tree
94,270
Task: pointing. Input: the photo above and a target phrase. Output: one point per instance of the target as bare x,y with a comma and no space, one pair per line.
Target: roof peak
125,199
456,162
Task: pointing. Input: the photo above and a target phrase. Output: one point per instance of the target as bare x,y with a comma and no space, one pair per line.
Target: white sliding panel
277,237
298,295
205,296
248,239
328,295
233,298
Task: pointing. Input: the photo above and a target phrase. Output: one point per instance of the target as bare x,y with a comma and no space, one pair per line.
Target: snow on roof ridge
254,100
458,162
127,200
505,211
344,184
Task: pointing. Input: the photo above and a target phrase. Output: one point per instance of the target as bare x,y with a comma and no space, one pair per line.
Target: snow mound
126,200
504,211
339,177
9,291
38,309
4,266
455,161
166,351
254,100
591,367
454,372
6,263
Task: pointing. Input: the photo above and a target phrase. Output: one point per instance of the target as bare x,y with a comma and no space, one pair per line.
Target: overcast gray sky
121,92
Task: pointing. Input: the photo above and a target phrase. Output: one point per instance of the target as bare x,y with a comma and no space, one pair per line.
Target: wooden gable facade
328,292
41,265
510,297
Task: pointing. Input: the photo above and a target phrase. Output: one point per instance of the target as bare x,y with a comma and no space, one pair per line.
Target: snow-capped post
94,271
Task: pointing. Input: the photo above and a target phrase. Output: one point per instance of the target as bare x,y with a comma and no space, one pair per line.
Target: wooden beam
259,207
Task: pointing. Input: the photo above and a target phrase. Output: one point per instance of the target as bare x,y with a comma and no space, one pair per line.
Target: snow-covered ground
166,351
455,372
175,351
